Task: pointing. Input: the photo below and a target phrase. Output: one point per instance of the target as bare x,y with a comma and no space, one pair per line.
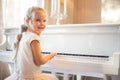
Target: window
111,11
14,11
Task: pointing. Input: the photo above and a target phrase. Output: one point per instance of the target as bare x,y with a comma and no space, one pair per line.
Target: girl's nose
42,23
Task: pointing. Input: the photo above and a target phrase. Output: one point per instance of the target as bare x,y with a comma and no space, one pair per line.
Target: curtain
1,22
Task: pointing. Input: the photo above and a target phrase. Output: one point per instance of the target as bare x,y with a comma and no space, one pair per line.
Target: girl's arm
37,54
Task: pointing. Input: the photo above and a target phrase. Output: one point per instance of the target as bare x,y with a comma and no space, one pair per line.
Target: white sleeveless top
25,66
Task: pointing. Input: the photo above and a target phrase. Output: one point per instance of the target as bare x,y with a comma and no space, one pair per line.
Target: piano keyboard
81,57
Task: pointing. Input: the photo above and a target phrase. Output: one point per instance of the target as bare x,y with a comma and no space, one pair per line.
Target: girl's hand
54,54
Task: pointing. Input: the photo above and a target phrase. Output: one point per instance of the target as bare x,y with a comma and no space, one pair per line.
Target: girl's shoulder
28,34
31,36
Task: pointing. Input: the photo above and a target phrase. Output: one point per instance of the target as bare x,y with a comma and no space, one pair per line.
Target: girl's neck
28,30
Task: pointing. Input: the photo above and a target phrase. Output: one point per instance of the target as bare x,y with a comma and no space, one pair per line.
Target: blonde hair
17,41
24,27
32,10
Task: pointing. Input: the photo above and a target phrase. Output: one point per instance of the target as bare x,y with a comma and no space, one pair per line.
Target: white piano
83,49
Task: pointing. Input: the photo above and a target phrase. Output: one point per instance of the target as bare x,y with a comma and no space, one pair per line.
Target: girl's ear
27,21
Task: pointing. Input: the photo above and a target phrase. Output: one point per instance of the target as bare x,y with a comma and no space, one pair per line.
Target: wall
78,11
87,11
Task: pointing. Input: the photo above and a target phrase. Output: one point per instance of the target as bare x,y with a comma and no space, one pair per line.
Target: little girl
28,57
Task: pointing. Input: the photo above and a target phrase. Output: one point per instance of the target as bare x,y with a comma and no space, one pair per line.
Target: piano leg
107,77
78,77
66,76
11,67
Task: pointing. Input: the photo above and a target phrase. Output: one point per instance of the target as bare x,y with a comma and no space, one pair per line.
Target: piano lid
90,39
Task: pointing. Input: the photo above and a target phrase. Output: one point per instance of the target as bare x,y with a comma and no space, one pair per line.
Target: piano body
83,49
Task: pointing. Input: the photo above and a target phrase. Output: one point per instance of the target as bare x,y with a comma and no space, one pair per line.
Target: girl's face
38,22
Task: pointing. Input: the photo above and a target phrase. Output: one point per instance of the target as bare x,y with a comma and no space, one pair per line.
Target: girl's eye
37,19
44,20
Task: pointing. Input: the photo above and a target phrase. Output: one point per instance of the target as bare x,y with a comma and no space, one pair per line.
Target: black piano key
85,55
